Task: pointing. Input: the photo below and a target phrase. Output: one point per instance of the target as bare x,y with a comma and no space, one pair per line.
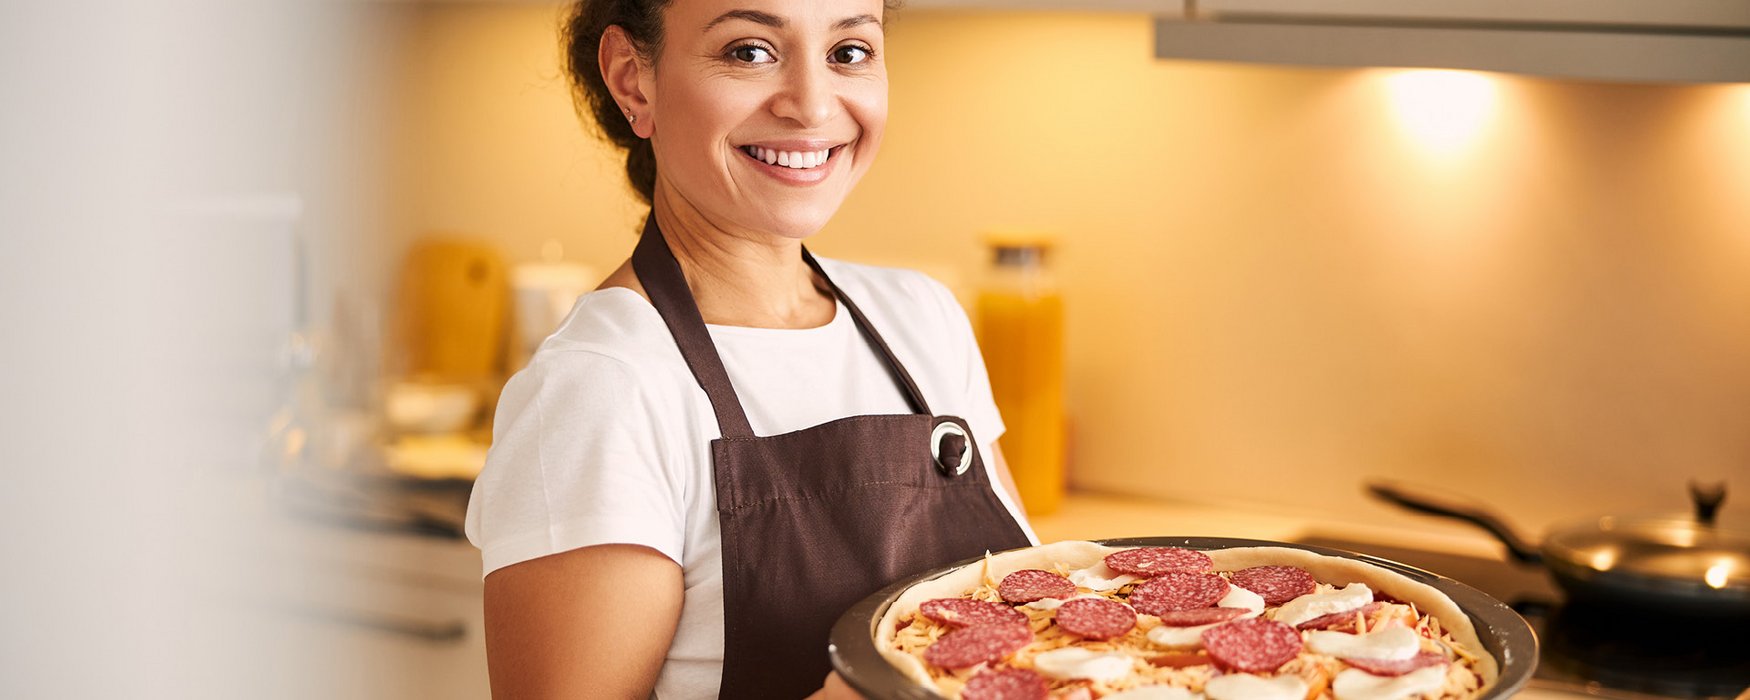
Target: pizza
1083,621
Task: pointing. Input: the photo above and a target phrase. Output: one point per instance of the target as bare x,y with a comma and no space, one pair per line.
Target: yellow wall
1274,287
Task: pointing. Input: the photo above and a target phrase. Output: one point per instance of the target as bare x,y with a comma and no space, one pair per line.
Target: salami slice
961,612
1398,667
1254,645
1153,561
981,644
1178,590
1095,618
1006,684
1028,585
1339,619
1199,616
1277,584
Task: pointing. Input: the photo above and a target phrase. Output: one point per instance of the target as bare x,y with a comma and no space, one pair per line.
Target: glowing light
1442,110
1604,559
1716,574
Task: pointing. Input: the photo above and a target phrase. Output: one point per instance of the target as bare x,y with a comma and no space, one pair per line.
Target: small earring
631,118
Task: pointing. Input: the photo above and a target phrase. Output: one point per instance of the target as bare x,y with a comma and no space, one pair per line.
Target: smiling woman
730,441
796,122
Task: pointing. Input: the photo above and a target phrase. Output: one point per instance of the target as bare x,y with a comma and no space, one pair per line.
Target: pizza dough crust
1338,571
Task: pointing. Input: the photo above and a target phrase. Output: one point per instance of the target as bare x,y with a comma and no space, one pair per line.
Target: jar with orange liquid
1020,329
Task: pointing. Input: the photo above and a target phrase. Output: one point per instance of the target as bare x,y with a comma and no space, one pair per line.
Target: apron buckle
952,450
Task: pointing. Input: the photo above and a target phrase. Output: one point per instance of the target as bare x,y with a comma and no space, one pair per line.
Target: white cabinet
376,616
1625,40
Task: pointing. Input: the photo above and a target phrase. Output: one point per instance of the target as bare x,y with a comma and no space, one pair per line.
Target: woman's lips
799,166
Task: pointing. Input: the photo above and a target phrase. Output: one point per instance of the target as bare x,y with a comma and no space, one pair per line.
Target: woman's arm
594,622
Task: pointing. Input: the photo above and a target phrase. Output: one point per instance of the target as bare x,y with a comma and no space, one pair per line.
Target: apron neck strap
901,377
660,273
655,265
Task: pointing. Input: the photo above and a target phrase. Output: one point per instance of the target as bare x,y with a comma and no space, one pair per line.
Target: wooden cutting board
451,311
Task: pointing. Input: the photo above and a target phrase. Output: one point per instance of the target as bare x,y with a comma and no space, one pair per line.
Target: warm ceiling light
1441,110
1716,574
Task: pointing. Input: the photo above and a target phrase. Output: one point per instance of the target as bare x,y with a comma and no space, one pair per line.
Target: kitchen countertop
1102,516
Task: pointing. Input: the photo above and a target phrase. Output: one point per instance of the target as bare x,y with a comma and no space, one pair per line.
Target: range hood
1619,40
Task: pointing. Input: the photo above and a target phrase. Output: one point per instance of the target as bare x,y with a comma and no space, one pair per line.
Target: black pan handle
1426,503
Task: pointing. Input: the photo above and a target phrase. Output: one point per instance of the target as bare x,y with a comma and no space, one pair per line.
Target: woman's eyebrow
777,22
754,16
858,20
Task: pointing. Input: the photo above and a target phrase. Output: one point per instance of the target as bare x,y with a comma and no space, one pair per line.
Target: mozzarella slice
1245,686
1053,603
1071,663
1393,642
1314,605
1356,684
1241,598
1179,637
1100,577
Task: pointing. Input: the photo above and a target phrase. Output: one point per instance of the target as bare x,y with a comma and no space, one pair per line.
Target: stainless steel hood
1620,40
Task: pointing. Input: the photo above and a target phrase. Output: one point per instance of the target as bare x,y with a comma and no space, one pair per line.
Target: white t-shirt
605,437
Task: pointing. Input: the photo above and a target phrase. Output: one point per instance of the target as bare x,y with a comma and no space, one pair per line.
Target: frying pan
1653,564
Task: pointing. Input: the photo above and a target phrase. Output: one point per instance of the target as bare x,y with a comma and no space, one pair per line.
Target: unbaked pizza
1080,621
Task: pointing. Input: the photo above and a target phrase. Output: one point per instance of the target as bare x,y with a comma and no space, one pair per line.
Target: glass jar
1020,324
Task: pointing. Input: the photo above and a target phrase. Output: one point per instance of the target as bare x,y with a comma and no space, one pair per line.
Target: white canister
543,293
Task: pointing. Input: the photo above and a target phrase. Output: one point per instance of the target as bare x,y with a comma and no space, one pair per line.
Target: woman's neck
742,278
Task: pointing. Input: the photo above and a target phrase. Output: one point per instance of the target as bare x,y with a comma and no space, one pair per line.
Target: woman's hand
589,623
835,688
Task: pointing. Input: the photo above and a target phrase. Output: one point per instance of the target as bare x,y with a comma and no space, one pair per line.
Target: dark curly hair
581,36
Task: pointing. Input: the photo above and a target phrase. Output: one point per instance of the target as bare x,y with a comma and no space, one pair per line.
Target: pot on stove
1659,564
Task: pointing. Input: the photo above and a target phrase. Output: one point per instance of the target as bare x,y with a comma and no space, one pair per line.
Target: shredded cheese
918,632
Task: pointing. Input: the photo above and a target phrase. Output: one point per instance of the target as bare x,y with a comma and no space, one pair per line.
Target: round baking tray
1504,634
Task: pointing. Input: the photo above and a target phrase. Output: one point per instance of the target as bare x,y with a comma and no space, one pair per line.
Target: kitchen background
1278,281
1277,276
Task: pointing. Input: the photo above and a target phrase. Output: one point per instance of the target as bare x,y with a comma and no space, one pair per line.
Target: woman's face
767,112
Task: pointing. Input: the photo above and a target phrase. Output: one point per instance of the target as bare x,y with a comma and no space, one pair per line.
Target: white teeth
799,160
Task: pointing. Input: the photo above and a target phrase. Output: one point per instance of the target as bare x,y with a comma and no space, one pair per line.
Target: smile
794,160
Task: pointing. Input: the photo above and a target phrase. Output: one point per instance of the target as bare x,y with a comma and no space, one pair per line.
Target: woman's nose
807,96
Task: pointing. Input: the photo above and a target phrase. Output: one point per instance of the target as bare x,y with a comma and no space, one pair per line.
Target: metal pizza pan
1504,634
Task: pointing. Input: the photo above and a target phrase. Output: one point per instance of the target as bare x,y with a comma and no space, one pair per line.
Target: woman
730,442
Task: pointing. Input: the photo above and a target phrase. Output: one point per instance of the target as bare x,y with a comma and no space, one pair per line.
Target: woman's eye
850,54
749,53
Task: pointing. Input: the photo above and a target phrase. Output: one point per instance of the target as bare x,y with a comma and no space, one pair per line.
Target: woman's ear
626,75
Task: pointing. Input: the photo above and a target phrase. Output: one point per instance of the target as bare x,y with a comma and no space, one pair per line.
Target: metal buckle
939,439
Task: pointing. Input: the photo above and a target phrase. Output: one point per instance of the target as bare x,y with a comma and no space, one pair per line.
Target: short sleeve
575,462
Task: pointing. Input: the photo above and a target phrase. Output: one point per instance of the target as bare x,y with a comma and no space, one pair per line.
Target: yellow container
1020,324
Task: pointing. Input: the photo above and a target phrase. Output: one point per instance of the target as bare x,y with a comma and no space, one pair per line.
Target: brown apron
815,520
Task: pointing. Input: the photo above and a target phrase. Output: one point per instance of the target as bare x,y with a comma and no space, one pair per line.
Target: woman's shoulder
612,321
612,330
610,362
